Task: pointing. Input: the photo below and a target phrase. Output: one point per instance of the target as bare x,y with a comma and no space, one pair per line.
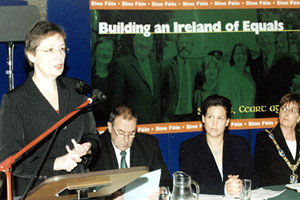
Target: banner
164,58
197,126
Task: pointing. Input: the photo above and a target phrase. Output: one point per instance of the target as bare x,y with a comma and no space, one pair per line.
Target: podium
91,184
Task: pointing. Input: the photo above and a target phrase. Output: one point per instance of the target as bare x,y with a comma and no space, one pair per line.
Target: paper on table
210,197
258,194
142,187
262,193
294,186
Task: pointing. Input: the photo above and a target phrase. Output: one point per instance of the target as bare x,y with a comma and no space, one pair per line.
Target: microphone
83,88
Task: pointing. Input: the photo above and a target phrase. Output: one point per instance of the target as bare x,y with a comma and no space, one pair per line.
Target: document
294,186
262,193
258,194
142,187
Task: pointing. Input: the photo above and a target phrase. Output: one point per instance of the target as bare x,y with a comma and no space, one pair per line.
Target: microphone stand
5,166
10,71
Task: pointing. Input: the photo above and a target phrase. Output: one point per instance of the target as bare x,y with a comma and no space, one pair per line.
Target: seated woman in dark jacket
216,159
275,168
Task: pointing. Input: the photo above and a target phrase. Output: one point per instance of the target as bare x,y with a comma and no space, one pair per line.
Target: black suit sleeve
11,129
186,164
158,163
261,157
91,135
246,164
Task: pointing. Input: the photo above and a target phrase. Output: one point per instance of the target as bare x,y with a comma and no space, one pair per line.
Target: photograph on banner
164,63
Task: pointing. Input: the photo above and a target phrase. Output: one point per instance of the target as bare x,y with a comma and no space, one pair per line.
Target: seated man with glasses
122,146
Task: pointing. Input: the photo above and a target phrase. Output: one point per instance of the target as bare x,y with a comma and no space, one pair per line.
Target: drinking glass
246,189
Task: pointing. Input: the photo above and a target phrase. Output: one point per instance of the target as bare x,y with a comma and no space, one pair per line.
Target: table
286,195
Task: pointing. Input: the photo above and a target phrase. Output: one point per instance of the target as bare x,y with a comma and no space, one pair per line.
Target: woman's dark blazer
25,114
196,159
271,167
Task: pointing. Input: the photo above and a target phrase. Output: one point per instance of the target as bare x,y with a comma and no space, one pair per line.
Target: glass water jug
182,187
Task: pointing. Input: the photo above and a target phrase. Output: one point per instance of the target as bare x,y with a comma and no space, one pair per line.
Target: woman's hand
154,195
233,186
66,162
80,149
69,161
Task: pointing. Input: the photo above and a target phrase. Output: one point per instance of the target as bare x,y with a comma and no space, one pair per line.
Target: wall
41,4
73,15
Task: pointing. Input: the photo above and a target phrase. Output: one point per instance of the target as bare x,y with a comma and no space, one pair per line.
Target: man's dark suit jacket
129,86
196,159
274,84
25,114
145,151
171,86
271,167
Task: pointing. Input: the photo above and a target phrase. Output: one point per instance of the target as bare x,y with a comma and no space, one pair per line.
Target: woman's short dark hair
216,100
123,111
290,98
38,32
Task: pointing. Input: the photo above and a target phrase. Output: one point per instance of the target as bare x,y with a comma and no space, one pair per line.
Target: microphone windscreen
99,95
79,86
83,88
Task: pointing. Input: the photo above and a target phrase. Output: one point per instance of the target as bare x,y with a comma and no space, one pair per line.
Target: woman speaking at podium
44,99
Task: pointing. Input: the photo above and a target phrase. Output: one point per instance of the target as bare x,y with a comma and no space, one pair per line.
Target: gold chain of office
293,177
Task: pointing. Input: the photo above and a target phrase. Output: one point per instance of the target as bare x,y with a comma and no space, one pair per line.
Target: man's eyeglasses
290,110
121,135
52,51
